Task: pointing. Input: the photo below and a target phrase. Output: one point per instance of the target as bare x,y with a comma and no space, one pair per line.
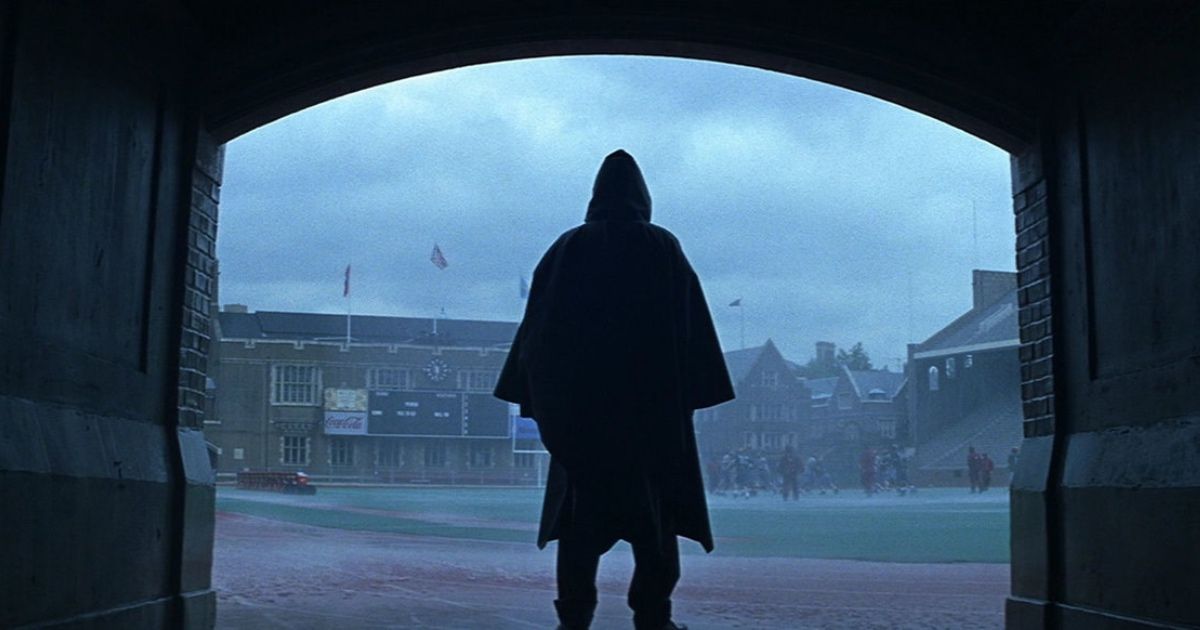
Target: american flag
437,258
346,283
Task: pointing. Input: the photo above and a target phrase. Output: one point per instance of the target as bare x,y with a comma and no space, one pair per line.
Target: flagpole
974,238
439,260
742,312
742,317
348,304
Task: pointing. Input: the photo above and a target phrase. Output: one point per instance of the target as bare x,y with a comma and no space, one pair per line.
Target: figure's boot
574,615
652,614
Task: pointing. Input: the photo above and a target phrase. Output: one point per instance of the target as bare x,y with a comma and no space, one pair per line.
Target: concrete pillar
1104,506
105,486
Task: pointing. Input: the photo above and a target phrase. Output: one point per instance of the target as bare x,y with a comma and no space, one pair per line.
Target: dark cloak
616,349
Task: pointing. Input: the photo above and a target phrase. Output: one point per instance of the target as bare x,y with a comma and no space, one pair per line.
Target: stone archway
893,56
110,182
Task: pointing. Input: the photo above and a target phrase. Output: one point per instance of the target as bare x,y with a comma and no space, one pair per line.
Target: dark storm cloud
819,207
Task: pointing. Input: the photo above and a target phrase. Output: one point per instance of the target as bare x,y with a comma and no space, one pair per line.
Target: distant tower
825,351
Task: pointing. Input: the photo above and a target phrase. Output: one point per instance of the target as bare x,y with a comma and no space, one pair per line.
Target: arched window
933,379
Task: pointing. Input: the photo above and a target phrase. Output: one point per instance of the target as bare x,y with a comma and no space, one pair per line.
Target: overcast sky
833,215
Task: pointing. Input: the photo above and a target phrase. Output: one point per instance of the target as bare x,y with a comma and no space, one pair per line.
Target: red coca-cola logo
345,423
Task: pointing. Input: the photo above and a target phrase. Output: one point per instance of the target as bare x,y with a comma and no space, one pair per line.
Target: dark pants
789,487
654,577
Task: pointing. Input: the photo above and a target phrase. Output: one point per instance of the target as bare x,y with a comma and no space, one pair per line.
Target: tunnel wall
106,494
1106,523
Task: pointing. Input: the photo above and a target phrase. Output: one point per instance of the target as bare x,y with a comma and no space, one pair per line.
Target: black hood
619,193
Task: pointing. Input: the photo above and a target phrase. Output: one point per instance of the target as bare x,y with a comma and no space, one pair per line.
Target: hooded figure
615,351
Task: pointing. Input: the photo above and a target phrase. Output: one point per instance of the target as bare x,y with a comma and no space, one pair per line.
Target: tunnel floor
273,574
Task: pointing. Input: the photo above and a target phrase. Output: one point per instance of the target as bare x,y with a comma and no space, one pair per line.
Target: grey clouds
831,214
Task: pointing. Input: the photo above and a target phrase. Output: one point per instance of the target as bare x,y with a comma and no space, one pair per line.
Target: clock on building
437,370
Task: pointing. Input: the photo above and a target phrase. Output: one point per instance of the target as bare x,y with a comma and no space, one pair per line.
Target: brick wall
200,281
1033,499
1033,298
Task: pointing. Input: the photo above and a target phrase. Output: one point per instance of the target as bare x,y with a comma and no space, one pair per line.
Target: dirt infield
271,574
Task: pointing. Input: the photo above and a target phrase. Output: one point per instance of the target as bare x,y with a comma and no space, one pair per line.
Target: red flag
346,283
437,258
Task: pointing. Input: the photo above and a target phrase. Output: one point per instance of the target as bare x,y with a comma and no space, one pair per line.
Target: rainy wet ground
360,558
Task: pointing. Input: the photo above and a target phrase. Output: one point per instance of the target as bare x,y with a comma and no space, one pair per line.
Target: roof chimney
825,350
989,286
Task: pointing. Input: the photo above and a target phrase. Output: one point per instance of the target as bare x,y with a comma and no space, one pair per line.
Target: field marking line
676,597
858,592
415,594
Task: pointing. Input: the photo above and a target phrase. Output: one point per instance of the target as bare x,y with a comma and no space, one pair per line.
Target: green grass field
935,525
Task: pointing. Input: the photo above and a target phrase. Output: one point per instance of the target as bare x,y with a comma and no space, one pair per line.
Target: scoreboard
436,414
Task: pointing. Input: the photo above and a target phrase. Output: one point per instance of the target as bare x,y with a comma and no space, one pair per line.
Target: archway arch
278,58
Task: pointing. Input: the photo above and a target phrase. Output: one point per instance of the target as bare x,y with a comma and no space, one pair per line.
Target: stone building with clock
407,400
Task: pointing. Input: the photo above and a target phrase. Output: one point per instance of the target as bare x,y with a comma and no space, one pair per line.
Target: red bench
287,482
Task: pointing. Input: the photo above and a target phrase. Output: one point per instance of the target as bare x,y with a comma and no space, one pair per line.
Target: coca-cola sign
345,423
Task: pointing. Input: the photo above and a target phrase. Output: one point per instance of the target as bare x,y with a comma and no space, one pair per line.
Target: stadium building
406,400
966,386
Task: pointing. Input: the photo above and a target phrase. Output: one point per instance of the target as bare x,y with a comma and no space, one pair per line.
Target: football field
933,525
